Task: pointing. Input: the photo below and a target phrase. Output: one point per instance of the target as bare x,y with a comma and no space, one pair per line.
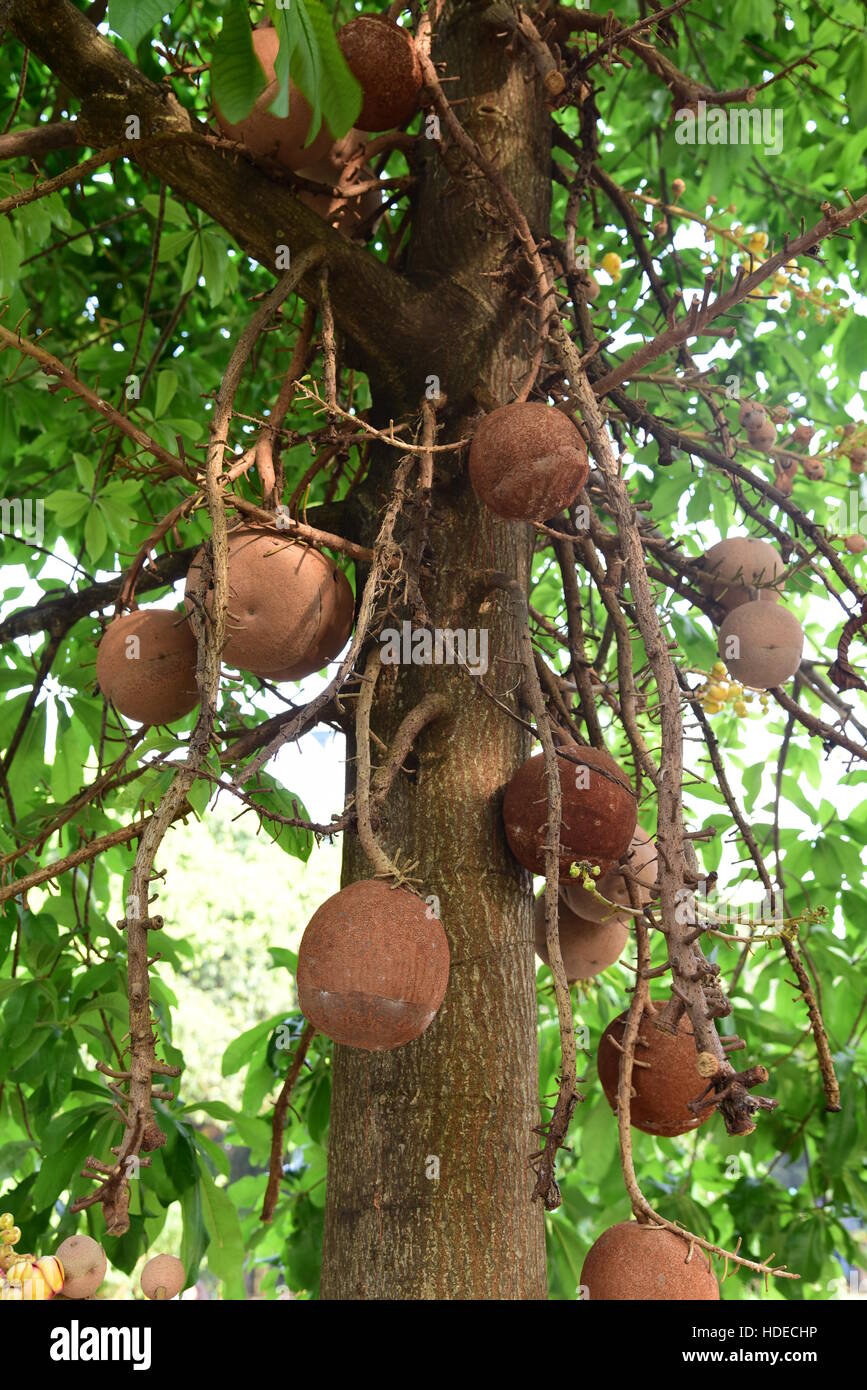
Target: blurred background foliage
83,266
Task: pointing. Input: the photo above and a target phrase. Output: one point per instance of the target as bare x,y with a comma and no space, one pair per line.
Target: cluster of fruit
759,641
290,612
75,1272
616,877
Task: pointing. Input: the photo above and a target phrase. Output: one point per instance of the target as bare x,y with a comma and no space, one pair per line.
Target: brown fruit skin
598,820
739,564
762,436
814,469
752,415
587,948
276,137
163,1271
527,461
771,641
290,608
662,1091
84,1265
159,685
382,57
372,967
641,860
856,545
647,1263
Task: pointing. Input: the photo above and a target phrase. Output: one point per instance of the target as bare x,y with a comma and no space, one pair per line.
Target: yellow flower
611,265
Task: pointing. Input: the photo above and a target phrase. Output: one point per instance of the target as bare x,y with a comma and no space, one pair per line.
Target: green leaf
95,534
192,267
10,258
226,1248
310,54
292,839
237,78
244,1048
133,19
167,385
194,1239
215,263
70,507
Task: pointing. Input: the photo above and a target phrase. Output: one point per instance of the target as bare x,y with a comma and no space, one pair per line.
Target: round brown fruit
162,1277
858,460
814,469
744,569
664,1088
784,481
856,544
647,1263
382,57
751,415
373,966
527,461
290,608
761,644
763,435
266,136
84,1266
587,948
598,816
146,666
640,861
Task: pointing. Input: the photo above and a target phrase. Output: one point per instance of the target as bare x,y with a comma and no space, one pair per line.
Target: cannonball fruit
162,1277
856,544
146,666
586,947
84,1266
751,415
743,570
373,966
265,135
662,1089
527,461
762,435
761,644
382,57
641,863
598,815
290,609
649,1263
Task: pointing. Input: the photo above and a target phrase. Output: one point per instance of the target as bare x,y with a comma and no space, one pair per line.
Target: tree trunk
428,1176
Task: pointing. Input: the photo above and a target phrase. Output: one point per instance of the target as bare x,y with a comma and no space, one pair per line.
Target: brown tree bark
462,1100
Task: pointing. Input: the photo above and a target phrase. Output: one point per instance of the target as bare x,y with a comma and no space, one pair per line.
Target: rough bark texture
466,1092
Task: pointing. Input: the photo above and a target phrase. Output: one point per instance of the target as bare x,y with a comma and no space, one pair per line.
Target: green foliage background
78,264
